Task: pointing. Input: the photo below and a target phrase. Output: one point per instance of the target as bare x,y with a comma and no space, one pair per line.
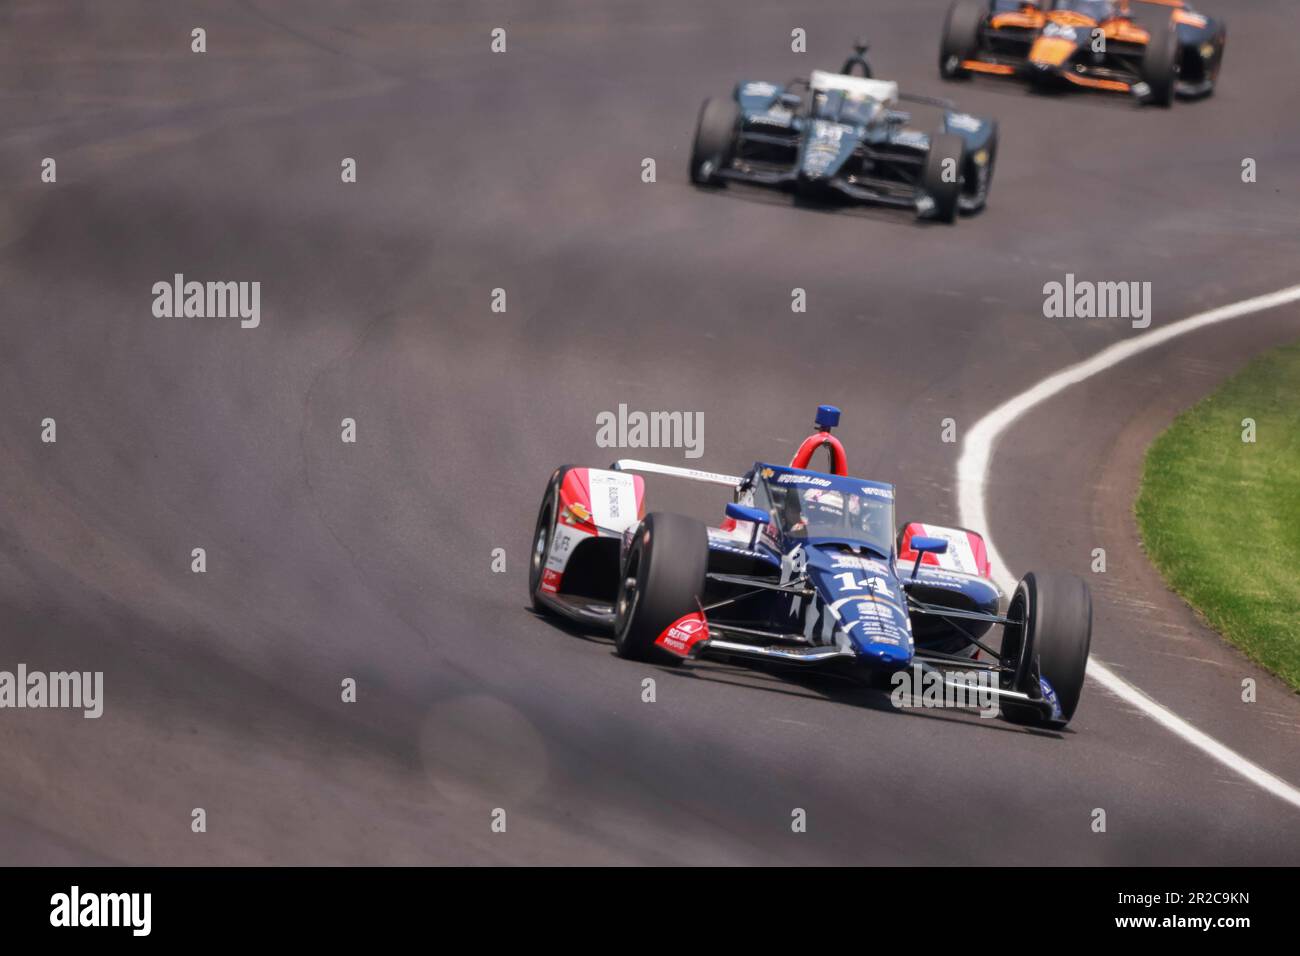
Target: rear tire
961,37
662,579
542,534
1160,65
944,195
715,140
1057,631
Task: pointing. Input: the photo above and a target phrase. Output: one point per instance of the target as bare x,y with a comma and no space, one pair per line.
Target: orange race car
1152,49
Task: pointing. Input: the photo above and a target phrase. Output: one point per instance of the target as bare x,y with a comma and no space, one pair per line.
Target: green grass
1220,517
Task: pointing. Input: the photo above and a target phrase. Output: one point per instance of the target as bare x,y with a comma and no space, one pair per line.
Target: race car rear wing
649,467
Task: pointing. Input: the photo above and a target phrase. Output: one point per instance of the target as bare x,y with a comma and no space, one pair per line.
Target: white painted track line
972,473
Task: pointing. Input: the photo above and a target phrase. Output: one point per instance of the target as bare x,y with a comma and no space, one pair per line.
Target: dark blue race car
844,135
806,569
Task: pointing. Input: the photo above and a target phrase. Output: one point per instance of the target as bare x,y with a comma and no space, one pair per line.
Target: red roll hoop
839,461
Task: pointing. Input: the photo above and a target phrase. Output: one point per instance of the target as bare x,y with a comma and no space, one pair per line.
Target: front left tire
662,579
942,178
715,140
1051,640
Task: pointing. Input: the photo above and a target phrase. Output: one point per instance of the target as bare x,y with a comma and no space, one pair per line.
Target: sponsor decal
965,555
562,544
878,622
859,564
875,625
1049,695
684,635
830,133
913,139
964,121
718,544
942,579
886,493
803,480
613,499
776,116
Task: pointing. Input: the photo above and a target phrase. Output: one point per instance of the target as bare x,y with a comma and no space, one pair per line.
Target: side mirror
929,545
745,513
791,100
923,546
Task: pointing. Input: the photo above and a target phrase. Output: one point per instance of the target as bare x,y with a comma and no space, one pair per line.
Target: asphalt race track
371,560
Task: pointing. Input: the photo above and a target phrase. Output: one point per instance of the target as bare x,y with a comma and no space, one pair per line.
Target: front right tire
1160,65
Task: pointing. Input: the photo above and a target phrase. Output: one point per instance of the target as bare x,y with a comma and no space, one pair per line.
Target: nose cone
886,655
1051,51
868,607
826,146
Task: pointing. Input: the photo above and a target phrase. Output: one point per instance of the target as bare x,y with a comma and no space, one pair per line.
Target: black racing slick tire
662,579
1052,639
1160,65
941,180
546,517
715,140
961,37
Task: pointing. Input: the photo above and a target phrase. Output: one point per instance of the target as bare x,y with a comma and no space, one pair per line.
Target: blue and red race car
805,569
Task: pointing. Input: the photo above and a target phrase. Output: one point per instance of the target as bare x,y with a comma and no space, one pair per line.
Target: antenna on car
828,416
